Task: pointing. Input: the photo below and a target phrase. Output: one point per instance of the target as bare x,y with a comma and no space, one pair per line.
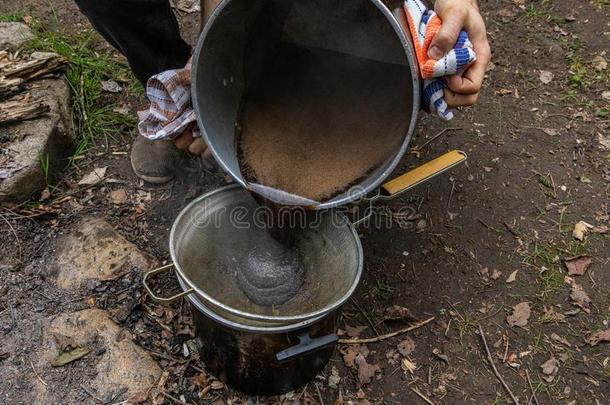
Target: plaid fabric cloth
170,111
424,24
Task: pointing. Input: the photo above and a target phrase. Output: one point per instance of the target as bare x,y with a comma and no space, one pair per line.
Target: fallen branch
495,370
387,335
19,110
34,68
529,382
422,396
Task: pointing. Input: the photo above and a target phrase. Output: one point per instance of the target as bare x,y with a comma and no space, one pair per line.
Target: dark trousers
145,31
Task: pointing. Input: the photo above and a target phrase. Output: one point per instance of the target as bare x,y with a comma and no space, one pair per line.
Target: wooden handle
423,173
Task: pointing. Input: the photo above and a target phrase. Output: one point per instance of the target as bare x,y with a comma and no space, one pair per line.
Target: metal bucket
240,36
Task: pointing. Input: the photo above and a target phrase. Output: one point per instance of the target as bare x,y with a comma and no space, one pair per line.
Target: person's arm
457,15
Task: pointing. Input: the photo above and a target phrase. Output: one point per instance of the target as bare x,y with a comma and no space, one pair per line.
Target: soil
536,168
318,121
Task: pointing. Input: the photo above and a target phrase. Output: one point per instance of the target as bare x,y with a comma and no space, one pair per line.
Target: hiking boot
154,161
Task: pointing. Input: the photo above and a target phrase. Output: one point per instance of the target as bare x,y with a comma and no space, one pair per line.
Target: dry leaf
68,357
512,277
552,316
354,331
111,86
580,297
45,195
334,379
521,314
504,92
550,131
599,63
351,352
577,265
396,312
93,177
406,347
560,339
546,77
408,365
118,196
366,371
495,274
601,336
550,369
217,385
580,229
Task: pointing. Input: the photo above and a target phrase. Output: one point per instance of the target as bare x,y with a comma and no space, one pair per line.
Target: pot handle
161,300
415,177
306,344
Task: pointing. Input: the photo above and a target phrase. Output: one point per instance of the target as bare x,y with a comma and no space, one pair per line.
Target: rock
118,363
49,137
13,35
93,250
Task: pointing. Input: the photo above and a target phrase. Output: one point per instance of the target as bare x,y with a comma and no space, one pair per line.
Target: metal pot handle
415,177
161,300
306,344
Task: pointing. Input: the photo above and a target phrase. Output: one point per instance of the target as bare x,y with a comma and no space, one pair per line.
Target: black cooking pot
260,349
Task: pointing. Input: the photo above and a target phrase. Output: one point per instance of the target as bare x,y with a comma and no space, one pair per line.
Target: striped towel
424,25
170,112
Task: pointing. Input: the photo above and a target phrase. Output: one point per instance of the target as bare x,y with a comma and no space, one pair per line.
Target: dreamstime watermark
362,212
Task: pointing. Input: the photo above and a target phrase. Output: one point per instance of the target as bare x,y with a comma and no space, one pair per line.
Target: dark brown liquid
318,121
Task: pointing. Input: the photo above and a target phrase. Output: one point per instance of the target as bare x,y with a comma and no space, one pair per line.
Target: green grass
44,166
12,16
538,12
96,121
582,75
545,257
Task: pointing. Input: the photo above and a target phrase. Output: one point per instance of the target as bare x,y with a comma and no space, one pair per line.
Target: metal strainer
211,233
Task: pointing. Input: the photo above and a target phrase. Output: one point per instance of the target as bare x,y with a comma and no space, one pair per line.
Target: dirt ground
498,232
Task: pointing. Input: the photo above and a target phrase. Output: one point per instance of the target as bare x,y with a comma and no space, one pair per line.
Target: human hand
194,146
457,15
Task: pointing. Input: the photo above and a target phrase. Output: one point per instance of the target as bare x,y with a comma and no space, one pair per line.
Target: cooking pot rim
210,313
401,29
265,318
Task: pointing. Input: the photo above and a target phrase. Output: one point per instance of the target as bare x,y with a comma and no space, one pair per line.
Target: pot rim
256,317
403,35
210,313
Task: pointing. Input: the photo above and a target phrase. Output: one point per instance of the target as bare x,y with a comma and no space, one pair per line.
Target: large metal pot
238,39
260,349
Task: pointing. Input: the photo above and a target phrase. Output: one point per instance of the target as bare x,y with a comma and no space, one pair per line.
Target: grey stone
49,137
13,35
94,251
115,366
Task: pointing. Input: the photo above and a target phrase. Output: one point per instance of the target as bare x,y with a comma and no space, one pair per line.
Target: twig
450,195
420,147
511,229
366,317
387,335
91,394
319,394
529,382
491,228
493,366
14,234
176,400
37,375
422,396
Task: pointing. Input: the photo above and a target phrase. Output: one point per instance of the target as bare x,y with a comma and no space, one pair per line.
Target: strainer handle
306,344
162,300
